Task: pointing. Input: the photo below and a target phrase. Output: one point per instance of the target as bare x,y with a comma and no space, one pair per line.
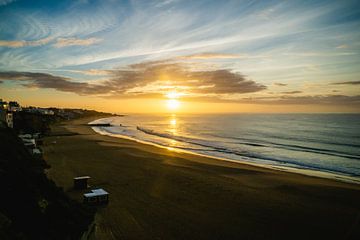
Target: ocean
323,143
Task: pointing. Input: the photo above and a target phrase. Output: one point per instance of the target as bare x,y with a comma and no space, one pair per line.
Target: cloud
291,92
124,83
342,46
179,76
44,80
23,43
337,100
315,99
347,83
91,72
301,100
6,2
149,78
280,84
65,42
210,56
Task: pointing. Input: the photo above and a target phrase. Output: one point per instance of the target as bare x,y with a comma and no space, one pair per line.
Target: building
96,196
3,105
14,107
81,182
10,119
7,117
42,111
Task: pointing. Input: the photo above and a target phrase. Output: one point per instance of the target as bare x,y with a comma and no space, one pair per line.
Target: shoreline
160,194
302,171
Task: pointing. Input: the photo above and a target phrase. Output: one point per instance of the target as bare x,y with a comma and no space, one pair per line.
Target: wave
250,156
295,147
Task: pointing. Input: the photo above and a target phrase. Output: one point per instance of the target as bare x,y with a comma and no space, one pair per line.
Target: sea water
322,142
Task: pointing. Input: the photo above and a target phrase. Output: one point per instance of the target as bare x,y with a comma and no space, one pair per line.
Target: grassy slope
32,206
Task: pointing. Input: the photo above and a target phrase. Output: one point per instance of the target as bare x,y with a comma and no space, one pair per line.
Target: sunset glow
173,104
180,119
273,57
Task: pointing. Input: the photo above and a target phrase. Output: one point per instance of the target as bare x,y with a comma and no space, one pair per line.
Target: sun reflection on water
172,129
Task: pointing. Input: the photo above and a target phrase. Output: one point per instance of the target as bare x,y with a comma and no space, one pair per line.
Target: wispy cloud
280,84
211,56
90,72
60,42
6,2
347,83
291,92
342,46
65,42
312,99
23,43
330,99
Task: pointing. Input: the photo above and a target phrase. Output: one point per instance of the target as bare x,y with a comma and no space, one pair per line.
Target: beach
157,193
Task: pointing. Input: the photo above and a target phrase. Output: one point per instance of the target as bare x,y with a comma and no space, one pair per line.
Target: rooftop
96,192
82,177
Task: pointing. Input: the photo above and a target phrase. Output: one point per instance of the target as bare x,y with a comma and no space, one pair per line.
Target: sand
156,193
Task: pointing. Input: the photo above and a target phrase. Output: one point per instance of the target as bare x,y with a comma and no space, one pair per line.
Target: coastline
302,171
203,198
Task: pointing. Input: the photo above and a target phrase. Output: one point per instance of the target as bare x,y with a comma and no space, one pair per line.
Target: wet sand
157,193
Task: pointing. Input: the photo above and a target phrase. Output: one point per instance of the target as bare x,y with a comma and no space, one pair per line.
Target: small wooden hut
81,182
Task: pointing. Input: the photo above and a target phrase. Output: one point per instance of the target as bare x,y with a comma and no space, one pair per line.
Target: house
96,196
7,117
10,120
37,110
6,112
81,182
14,106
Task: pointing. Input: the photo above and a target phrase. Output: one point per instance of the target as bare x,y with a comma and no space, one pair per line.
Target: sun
173,104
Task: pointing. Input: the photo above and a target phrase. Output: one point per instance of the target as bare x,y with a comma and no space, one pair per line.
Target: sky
182,56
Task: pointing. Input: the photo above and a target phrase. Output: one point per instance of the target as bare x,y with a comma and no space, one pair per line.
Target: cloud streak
66,42
210,56
23,43
280,84
291,92
310,99
348,83
60,42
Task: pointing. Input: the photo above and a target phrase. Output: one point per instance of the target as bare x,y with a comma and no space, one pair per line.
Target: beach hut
81,182
96,196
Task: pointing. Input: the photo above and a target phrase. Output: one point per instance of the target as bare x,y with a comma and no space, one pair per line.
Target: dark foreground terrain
31,205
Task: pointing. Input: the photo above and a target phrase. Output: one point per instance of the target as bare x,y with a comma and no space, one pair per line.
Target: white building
10,120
